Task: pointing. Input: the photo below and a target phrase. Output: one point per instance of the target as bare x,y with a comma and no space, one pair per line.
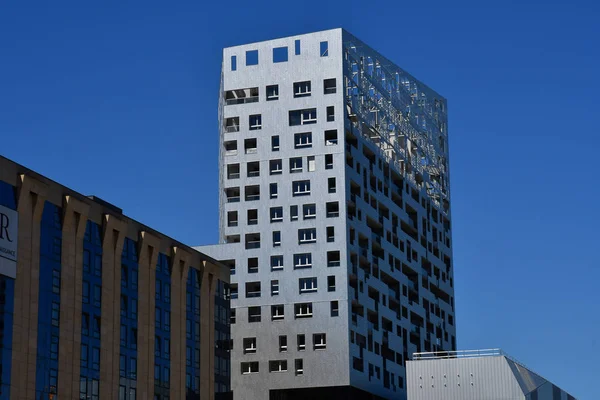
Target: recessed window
273,190
297,47
282,343
330,113
274,287
308,235
272,92
309,211
276,214
253,314
230,147
303,139
233,171
277,312
334,308
295,164
331,188
278,366
233,291
232,194
255,122
253,265
232,218
233,63
328,161
250,146
319,341
331,283
332,209
276,238
276,263
252,289
275,167
241,96
252,192
252,241
293,213
333,258
330,234
303,310
329,86
303,117
324,47
275,143
331,137
249,367
302,260
252,217
280,54
252,56
301,342
301,188
249,345
253,169
299,366
302,89
232,124
308,285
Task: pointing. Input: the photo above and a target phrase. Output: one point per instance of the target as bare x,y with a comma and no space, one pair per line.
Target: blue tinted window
324,49
297,46
280,54
233,63
252,57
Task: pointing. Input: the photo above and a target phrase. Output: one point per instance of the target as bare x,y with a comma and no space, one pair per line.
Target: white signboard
9,225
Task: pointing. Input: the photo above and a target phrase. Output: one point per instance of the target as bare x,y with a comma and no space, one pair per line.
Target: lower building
476,375
94,305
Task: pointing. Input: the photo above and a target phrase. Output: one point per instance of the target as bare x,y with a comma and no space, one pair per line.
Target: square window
324,47
308,235
232,124
329,86
303,310
233,63
250,146
301,188
253,314
276,214
295,164
303,117
309,211
277,312
252,290
272,92
307,285
332,209
253,169
302,89
252,56
249,367
249,345
275,167
303,139
297,47
331,137
280,54
278,366
276,263
333,259
302,260
319,341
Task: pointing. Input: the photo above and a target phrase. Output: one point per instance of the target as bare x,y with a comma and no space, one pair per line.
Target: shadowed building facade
94,305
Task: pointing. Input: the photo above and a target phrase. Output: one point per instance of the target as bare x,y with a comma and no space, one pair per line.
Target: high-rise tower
334,218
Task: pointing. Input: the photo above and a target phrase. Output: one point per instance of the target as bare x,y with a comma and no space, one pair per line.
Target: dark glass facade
162,339
48,326
192,335
222,341
7,290
89,387
129,314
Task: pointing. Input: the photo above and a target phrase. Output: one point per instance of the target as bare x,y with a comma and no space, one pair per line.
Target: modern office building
94,305
476,375
335,218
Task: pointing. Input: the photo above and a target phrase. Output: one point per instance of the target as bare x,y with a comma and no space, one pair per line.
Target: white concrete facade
377,285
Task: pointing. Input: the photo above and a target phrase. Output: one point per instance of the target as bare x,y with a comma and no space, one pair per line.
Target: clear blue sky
119,99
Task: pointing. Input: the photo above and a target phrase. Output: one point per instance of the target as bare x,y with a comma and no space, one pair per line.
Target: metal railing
438,355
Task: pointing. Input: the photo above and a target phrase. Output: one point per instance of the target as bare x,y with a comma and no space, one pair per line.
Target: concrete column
149,247
207,335
181,262
75,213
30,206
112,248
